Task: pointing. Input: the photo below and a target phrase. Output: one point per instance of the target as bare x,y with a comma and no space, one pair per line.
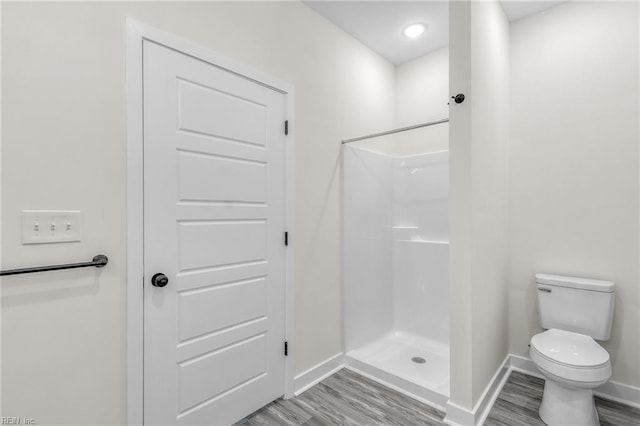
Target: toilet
574,312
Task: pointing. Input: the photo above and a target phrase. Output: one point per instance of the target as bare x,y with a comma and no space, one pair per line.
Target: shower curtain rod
390,132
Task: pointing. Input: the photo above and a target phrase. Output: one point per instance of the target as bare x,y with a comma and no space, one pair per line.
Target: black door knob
159,280
459,98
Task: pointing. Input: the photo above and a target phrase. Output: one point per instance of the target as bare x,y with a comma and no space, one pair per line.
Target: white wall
63,147
422,94
422,89
490,189
574,167
479,151
460,206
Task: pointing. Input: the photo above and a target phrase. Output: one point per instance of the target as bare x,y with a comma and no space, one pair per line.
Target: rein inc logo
17,421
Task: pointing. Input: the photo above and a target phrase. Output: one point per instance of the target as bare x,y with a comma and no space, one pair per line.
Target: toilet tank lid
574,282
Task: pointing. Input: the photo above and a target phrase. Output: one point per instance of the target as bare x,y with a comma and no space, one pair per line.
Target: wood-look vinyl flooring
347,398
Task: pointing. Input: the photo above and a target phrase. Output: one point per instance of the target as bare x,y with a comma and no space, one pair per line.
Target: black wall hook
459,98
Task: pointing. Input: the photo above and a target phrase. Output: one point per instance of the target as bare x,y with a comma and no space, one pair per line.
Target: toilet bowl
573,365
574,312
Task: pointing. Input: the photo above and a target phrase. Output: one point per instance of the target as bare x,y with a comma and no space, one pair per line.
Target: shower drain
418,360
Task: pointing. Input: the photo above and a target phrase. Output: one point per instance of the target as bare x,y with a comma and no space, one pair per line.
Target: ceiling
379,24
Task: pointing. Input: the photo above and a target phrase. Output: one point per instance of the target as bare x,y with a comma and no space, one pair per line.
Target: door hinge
286,127
286,238
286,348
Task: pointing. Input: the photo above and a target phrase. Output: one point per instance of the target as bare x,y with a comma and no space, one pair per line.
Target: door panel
202,310
214,222
196,387
197,103
249,178
210,244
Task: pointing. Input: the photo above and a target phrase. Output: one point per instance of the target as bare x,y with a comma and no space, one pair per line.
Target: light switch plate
51,226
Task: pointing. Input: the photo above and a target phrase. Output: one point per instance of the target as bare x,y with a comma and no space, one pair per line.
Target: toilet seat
570,356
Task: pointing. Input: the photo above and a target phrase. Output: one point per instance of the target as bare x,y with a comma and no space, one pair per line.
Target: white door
214,211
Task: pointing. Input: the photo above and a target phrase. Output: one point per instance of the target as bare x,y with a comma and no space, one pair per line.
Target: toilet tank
576,304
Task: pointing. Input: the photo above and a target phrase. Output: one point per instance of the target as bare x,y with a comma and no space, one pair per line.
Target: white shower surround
395,268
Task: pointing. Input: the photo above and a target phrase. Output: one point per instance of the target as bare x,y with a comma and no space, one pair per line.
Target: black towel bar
98,261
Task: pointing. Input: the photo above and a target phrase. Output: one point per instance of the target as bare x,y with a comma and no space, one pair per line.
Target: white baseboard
491,392
460,416
524,365
318,373
619,392
614,391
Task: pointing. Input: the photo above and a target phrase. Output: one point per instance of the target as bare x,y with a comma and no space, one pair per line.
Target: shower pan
396,260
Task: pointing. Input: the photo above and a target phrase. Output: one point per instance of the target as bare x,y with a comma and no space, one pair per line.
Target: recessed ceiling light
414,30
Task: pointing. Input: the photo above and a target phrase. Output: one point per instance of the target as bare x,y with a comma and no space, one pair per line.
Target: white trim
318,373
457,415
524,365
289,260
136,33
343,311
460,416
613,391
135,223
619,392
491,392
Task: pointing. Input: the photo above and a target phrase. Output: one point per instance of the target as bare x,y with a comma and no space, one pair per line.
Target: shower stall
396,259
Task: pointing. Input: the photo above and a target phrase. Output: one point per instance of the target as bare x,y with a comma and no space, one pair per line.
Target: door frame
135,35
